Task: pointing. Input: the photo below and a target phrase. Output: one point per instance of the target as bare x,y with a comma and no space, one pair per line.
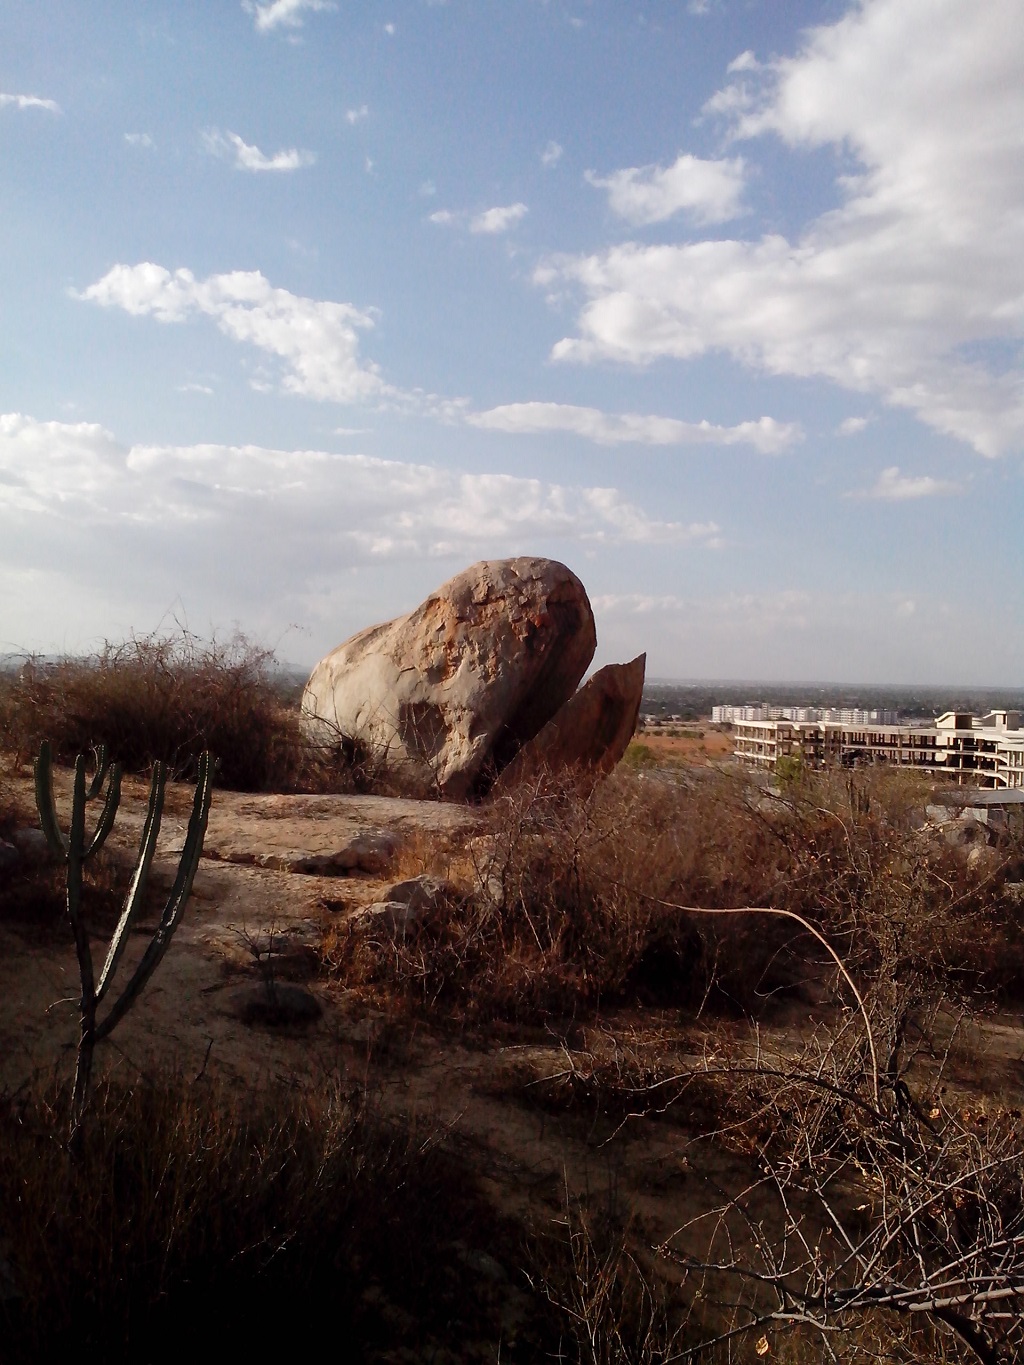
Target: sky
306,306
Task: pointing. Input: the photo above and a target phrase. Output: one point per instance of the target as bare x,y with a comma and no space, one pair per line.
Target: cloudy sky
305,305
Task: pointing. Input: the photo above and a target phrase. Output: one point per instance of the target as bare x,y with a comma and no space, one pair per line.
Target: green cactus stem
75,850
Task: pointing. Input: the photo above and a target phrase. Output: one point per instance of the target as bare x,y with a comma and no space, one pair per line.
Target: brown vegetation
168,698
880,1214
576,899
192,1219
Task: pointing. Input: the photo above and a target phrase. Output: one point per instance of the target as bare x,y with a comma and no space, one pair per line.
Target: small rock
967,833
405,904
371,853
983,859
275,1004
420,893
31,844
484,1264
389,917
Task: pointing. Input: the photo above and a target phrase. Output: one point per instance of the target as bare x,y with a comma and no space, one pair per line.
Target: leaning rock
446,696
590,732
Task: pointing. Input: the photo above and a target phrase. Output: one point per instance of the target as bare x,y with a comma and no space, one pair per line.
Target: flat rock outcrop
590,732
446,696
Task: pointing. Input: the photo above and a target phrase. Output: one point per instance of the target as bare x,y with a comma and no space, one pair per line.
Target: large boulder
591,731
447,695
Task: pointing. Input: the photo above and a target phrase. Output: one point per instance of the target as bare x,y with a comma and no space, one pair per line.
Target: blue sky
306,306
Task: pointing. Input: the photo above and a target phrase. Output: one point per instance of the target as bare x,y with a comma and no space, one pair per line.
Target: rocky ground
276,871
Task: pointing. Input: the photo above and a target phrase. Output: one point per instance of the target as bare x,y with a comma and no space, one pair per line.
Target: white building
977,751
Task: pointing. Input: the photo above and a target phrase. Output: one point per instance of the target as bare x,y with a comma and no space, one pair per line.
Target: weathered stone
420,893
404,905
447,695
393,918
370,853
968,833
590,732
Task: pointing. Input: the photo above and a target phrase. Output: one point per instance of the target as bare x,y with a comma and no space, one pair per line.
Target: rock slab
590,732
446,696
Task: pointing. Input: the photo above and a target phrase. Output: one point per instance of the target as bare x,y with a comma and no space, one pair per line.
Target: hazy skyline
308,305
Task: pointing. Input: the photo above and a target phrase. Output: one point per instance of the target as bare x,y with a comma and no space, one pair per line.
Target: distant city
852,703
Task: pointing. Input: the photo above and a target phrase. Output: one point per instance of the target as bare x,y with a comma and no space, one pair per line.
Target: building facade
975,751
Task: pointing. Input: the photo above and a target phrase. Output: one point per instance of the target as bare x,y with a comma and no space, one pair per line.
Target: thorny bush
574,897
257,1226
169,697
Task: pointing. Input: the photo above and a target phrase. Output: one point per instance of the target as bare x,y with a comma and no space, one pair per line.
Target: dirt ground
272,875
692,744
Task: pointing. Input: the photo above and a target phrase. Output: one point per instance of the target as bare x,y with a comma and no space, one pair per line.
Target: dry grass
193,1220
575,900
169,698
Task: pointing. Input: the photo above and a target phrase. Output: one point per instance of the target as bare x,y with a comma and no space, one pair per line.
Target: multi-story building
977,751
729,715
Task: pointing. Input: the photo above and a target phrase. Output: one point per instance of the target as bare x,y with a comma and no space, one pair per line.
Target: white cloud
498,219
283,13
852,426
317,340
705,191
913,287
892,486
140,140
28,102
268,525
490,221
552,154
746,61
390,29
752,613
193,387
357,115
765,434
250,158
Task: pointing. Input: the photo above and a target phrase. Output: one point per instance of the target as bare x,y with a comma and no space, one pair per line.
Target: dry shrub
170,697
575,899
592,1268
563,908
191,1218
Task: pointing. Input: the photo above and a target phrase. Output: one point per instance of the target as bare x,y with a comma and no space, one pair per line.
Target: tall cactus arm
76,844
96,785
137,890
43,771
106,821
176,901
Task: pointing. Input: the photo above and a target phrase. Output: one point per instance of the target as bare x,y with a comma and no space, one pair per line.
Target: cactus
75,850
